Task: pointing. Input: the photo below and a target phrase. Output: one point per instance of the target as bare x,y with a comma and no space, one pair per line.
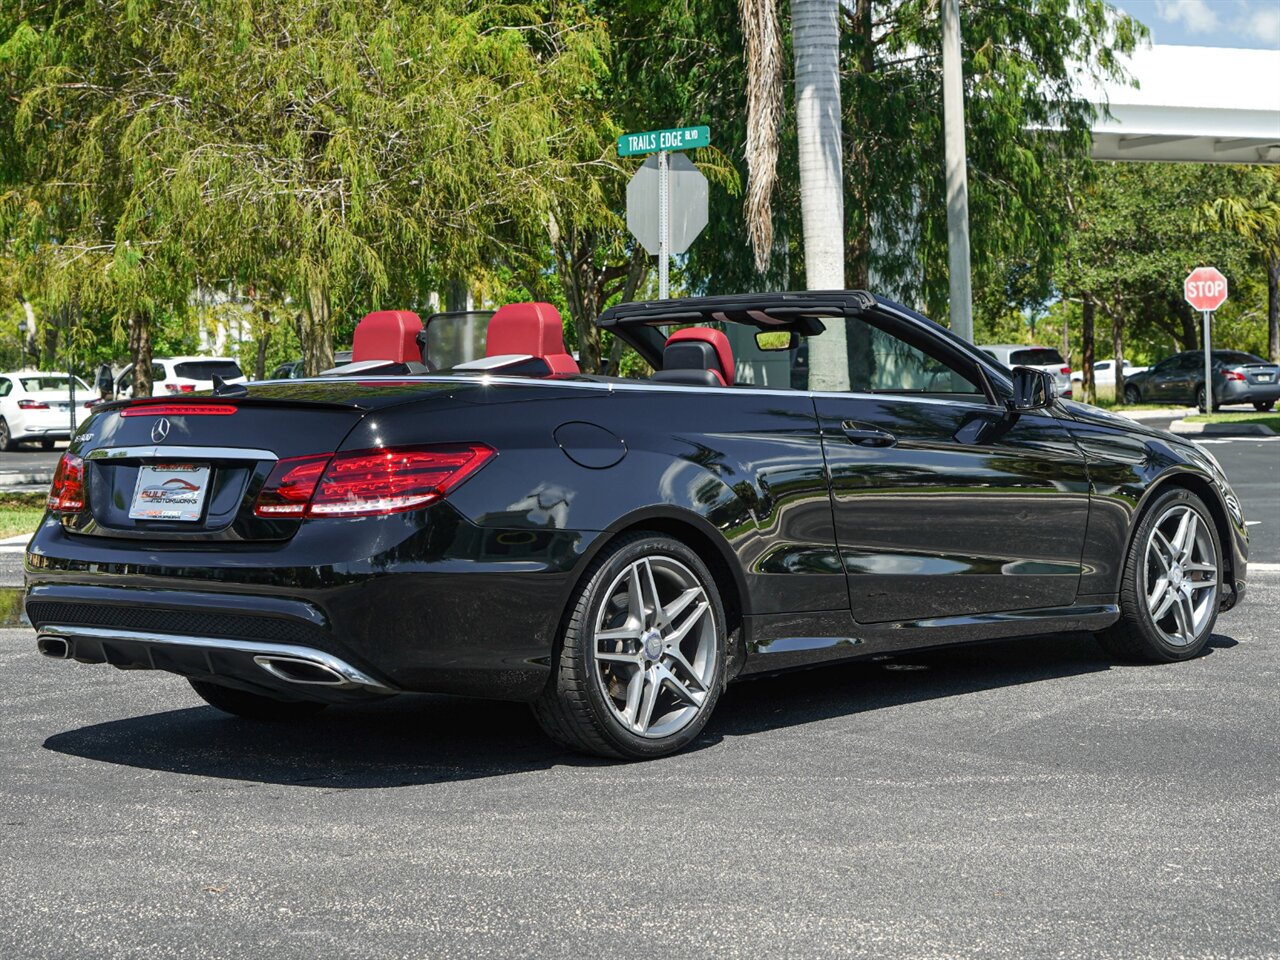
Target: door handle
867,436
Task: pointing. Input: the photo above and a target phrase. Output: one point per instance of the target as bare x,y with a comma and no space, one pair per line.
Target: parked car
1040,358
293,369
1104,373
1238,377
177,375
36,405
615,551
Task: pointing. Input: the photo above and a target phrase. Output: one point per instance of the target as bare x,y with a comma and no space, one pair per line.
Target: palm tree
1256,217
815,32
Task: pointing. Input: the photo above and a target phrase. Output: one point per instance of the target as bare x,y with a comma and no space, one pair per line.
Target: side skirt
776,643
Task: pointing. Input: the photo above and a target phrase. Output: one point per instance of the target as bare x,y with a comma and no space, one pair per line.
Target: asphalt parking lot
1020,799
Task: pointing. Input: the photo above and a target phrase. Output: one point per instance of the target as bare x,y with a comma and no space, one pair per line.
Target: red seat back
719,343
532,329
388,335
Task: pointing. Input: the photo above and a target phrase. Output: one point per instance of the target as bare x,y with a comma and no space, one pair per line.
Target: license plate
1263,377
170,491
64,407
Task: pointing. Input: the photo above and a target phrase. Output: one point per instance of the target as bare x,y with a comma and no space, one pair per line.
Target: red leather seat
697,354
530,329
389,335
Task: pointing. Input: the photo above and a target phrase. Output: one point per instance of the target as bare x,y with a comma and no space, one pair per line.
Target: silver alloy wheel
1181,584
656,647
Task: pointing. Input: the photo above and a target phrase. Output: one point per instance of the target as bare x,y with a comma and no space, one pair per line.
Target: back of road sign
688,189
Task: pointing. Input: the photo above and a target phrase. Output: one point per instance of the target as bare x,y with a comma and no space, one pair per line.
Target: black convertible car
807,477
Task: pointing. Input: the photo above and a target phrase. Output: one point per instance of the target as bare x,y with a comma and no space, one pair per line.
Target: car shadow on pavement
423,739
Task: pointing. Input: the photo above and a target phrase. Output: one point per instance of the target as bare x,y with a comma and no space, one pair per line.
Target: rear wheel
7,443
641,664
253,706
1170,590
1264,406
1132,395
46,444
1200,400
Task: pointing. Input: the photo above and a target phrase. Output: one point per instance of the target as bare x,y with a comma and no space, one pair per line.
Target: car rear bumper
1236,392
384,604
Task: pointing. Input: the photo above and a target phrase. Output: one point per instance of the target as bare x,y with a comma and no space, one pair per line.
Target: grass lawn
1271,420
20,513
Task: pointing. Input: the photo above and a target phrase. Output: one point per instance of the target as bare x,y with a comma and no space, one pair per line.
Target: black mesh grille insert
232,626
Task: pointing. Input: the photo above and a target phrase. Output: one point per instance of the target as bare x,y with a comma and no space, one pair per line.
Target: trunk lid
190,467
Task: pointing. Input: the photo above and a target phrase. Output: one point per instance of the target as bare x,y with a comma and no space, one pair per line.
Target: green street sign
651,141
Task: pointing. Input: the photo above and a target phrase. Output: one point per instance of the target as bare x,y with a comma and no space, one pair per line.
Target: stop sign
1205,288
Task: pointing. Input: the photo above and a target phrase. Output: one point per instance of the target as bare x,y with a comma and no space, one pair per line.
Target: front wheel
641,662
253,706
1264,406
1132,396
1171,588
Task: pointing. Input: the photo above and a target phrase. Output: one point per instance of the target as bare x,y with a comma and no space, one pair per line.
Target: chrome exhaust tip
299,670
55,648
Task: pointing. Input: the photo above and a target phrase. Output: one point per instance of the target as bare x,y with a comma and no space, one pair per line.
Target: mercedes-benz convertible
805,478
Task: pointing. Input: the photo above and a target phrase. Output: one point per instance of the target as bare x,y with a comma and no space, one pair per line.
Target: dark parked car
1238,377
293,369
615,551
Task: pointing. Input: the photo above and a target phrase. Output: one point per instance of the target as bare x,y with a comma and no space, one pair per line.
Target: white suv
36,405
1041,358
182,375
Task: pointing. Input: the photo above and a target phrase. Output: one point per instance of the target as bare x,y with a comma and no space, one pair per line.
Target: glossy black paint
970,521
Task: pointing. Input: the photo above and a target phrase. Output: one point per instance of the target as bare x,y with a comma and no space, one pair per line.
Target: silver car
1047,359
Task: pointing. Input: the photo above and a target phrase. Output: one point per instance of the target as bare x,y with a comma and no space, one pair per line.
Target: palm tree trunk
1273,307
815,28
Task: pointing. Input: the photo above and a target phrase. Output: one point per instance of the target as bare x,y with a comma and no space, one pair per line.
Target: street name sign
1205,288
674,138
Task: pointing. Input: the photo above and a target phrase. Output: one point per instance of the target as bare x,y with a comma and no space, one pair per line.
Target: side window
6,386
157,373
882,362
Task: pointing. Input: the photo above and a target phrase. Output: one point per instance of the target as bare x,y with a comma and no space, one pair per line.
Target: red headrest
388,335
533,329
717,340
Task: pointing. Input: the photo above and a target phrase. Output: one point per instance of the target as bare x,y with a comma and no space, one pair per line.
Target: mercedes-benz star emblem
160,429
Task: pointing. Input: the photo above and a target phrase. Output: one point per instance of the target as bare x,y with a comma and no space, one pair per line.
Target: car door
945,505
1159,385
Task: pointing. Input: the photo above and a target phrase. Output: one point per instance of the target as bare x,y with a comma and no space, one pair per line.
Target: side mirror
1032,389
775,341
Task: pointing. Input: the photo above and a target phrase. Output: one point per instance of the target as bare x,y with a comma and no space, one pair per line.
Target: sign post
667,181
1206,290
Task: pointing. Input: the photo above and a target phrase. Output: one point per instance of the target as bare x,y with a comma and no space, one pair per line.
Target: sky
1209,23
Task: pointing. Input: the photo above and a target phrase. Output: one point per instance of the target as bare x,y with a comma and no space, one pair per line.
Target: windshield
1035,357
36,384
207,369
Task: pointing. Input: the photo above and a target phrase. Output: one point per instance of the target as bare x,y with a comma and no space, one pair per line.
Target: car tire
7,443
1200,401
1132,395
1186,608
1265,407
253,706
46,444
642,654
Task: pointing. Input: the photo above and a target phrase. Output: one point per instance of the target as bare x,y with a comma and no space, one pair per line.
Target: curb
1222,429
20,478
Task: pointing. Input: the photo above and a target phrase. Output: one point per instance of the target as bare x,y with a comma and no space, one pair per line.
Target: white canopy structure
1193,104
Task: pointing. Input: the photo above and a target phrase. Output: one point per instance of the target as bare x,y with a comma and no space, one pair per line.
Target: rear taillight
288,489
32,405
1066,371
187,387
366,483
66,495
146,409
1233,375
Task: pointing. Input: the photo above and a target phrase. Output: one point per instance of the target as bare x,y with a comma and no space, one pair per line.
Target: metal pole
957,172
1208,364
664,226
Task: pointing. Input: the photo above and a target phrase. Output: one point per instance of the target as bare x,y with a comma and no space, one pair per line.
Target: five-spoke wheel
1171,586
641,662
